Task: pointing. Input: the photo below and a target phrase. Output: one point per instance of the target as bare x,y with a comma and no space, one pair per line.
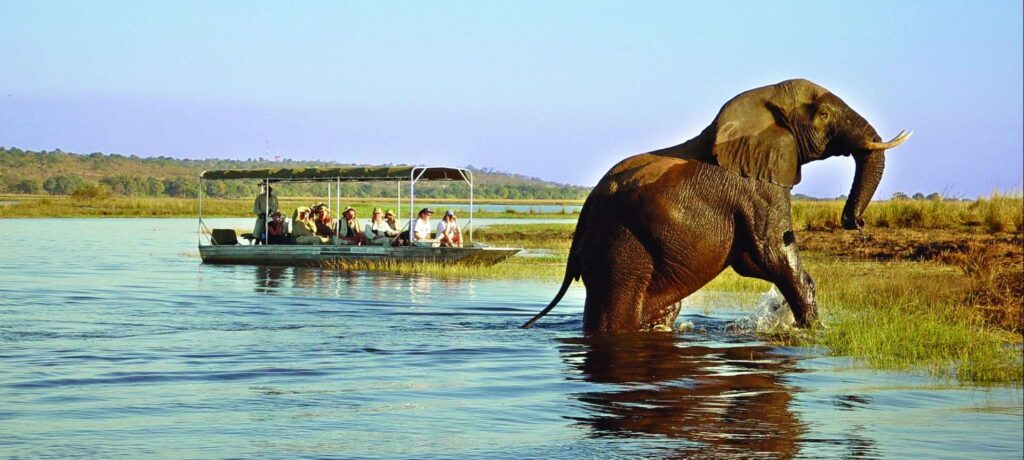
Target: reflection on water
312,281
718,401
122,347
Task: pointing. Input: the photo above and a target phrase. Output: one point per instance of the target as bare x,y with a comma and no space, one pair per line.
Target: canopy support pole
199,231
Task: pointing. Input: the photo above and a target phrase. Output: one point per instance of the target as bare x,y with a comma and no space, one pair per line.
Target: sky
557,90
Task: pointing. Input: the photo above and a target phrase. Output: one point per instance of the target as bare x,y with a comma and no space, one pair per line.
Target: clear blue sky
558,90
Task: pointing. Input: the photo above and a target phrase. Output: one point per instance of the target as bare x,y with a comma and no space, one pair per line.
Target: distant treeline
63,173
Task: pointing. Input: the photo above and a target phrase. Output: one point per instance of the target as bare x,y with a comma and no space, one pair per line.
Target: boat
222,246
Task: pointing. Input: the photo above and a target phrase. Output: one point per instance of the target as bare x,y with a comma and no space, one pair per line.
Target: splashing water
772,314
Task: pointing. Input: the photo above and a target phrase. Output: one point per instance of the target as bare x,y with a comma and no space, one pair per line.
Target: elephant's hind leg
617,282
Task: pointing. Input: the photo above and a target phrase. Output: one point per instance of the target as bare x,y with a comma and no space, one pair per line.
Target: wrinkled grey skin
660,225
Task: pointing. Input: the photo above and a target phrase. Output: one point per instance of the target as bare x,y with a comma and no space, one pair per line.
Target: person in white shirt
448,233
378,231
421,229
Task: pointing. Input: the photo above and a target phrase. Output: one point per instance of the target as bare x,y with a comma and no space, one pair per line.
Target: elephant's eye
823,115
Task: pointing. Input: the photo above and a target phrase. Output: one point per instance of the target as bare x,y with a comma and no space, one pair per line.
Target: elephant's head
768,133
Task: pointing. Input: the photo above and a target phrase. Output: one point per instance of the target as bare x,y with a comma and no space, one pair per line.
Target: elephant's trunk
870,165
869,153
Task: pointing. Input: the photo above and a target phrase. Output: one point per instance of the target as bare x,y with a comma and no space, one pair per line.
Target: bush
92,192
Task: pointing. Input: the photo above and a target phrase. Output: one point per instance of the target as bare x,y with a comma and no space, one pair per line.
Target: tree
899,196
62,185
919,196
28,186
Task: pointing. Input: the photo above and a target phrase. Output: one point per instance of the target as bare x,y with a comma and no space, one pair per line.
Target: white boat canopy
344,174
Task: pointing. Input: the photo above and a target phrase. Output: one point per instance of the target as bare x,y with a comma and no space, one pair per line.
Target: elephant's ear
753,135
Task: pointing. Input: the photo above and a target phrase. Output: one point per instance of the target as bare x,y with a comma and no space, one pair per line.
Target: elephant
660,225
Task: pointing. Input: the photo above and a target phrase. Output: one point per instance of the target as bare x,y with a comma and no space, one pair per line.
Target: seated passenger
378,231
277,230
323,222
401,237
353,232
303,227
448,233
421,229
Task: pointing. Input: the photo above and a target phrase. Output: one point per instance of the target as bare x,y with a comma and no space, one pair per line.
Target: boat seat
224,237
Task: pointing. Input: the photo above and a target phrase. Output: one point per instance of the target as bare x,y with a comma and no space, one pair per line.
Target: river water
115,341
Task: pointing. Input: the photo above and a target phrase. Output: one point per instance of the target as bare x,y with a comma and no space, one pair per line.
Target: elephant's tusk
899,139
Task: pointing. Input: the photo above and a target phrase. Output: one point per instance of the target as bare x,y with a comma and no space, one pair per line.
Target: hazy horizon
556,91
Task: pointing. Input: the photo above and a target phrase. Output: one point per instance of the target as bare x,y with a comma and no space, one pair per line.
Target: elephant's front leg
774,258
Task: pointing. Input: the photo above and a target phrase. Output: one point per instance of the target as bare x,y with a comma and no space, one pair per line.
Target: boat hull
325,255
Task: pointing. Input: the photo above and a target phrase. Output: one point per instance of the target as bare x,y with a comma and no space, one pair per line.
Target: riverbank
43,206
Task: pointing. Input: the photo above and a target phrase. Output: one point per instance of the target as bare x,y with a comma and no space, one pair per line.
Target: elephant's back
646,172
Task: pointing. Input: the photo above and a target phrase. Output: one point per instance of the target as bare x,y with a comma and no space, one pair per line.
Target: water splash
772,314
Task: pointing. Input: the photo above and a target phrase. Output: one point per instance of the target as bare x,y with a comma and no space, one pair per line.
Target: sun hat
389,213
426,211
350,208
377,210
449,213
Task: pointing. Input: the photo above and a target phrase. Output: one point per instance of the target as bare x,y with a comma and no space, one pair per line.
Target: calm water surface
116,342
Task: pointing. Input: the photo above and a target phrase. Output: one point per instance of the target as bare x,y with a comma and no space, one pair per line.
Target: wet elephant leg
617,283
662,309
776,260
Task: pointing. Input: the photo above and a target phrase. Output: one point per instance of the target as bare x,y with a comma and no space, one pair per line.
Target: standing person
378,231
353,233
421,228
448,233
264,205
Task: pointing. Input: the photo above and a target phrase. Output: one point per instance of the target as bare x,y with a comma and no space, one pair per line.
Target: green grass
911,316
996,213
94,203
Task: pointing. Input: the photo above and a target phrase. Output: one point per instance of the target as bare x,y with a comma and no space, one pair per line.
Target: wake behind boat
309,238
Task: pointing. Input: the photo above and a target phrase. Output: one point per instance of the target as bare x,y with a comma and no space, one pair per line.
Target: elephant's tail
561,292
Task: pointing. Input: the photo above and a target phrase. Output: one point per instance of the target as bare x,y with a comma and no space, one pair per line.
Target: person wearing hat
353,233
323,222
264,205
421,229
378,231
276,229
448,233
401,238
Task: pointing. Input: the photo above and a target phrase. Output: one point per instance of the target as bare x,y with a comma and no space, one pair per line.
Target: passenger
378,231
400,236
448,233
421,229
323,222
277,230
303,227
353,231
264,205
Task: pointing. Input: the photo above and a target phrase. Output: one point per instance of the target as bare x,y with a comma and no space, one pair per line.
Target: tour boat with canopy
221,246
